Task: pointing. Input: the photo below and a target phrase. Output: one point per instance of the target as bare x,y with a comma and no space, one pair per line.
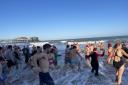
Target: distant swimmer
41,65
119,62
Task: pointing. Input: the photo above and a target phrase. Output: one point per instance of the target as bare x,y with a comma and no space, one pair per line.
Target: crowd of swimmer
42,59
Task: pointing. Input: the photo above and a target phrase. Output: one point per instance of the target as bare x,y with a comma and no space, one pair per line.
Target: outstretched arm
101,54
79,55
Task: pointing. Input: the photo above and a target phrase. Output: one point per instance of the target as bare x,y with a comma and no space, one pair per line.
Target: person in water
119,62
94,60
110,53
2,76
41,65
67,58
75,57
87,55
51,59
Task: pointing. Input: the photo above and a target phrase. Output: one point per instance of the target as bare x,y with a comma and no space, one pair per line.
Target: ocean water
66,76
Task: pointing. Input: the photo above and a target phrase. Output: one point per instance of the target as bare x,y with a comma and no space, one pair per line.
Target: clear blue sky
60,19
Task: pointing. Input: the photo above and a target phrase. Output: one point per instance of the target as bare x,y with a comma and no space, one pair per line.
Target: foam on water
66,76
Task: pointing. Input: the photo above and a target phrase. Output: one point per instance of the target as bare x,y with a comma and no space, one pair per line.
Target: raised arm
79,54
101,54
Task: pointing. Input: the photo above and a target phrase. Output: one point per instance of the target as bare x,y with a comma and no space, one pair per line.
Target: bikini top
117,54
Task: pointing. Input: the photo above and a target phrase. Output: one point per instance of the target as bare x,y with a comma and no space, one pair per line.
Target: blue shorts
45,78
4,77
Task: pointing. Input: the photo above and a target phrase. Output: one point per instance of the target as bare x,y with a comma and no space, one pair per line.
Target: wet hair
95,49
109,45
46,46
38,47
9,47
1,48
117,44
74,47
67,46
52,50
1,59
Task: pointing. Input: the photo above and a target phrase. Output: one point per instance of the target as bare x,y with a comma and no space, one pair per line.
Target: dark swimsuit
45,78
118,64
87,56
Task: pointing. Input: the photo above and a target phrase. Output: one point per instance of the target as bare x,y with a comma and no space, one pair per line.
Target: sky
63,19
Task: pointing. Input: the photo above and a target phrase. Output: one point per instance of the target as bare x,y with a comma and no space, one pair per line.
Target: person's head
109,45
9,47
52,50
39,50
67,46
74,47
47,47
1,49
1,60
118,46
95,49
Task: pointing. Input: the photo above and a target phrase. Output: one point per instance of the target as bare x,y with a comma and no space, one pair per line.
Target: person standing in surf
119,62
94,60
26,53
41,65
87,55
67,58
3,77
75,57
110,53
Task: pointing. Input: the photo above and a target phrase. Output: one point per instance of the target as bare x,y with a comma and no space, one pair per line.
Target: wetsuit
94,62
26,54
87,57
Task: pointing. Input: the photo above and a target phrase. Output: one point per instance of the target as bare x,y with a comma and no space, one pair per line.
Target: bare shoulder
43,56
110,49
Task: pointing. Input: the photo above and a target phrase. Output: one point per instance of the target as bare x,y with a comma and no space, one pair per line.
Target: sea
66,76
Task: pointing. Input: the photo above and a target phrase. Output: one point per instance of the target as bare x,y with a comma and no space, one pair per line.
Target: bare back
118,54
43,62
73,53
